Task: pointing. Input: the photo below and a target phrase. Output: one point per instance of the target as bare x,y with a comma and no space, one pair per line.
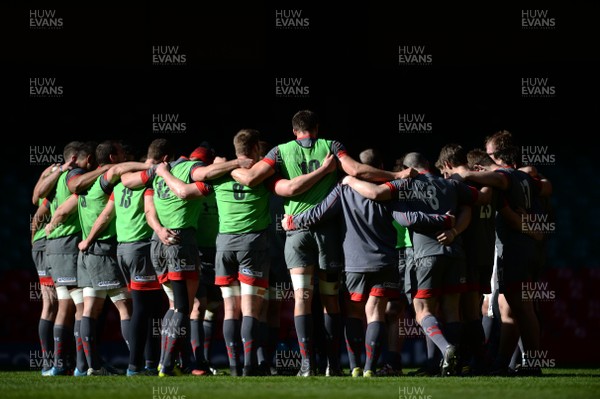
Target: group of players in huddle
215,235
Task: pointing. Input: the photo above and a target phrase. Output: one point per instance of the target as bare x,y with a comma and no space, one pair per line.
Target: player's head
305,121
247,143
160,150
109,152
508,156
86,155
443,170
451,156
478,159
204,152
371,157
71,151
496,142
416,161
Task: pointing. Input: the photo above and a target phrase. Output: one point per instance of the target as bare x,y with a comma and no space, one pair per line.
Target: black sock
197,341
185,343
304,329
517,356
164,333
373,340
262,336
333,323
249,333
355,341
230,337
46,335
125,331
80,360
487,323
88,335
60,340
171,347
208,327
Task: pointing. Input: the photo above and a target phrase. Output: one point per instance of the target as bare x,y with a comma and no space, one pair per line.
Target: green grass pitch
555,383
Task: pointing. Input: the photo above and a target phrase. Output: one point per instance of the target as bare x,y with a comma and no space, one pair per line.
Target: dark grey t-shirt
433,195
369,236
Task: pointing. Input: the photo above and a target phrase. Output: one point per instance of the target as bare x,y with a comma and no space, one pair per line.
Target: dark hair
500,139
105,149
160,148
305,121
452,153
72,149
509,155
477,156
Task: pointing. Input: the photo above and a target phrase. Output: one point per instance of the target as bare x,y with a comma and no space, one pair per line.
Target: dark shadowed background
232,63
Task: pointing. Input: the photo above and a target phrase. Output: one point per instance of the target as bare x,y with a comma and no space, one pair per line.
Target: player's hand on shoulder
406,173
245,163
162,168
329,163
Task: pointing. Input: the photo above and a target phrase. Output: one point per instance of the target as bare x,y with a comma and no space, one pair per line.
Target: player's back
370,236
174,212
433,195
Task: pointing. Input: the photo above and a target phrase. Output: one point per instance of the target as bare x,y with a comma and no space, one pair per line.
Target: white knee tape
62,293
303,281
89,291
209,315
169,291
77,295
329,287
253,290
119,294
228,292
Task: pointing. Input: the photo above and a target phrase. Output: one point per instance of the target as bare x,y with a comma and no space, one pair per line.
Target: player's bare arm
300,184
177,186
80,183
253,176
103,220
166,236
218,169
376,192
61,213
